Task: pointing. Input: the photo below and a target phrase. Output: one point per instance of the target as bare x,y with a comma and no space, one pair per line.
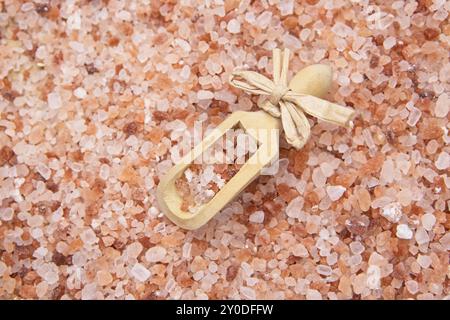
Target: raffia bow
281,102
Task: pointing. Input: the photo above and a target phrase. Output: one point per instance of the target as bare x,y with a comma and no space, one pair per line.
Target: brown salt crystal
130,175
232,272
397,125
431,33
130,128
6,155
429,129
59,259
286,192
230,5
372,166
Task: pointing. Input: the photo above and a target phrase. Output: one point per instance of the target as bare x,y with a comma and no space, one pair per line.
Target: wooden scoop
312,80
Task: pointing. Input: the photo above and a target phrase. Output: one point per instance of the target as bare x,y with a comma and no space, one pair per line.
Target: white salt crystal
443,161
299,250
155,254
356,247
428,221
80,93
414,117
373,277
204,95
248,293
421,236
233,26
387,171
257,217
389,42
264,19
424,261
324,270
327,169
140,272
412,286
286,7
124,15
404,232
74,21
183,44
442,105
54,100
134,249
392,212
88,236
294,207
185,72
313,294
318,178
335,192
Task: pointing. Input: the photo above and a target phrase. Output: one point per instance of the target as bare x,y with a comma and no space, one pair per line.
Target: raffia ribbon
282,102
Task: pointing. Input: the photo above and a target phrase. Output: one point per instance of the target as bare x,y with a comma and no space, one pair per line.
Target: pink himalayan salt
104,278
442,106
443,161
257,217
421,236
54,100
155,254
335,192
313,294
299,250
140,273
412,286
234,26
428,220
392,212
204,95
404,232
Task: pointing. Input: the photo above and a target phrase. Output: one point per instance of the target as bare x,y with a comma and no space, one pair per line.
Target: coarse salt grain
335,192
140,273
155,254
404,232
392,212
233,26
54,100
80,93
204,95
257,217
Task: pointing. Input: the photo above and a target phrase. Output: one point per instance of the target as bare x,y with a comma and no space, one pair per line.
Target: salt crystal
88,236
248,293
299,250
424,261
134,249
140,272
414,117
234,26
286,7
318,178
421,236
404,232
389,42
313,294
327,169
443,161
356,247
89,291
185,72
392,212
324,270
104,277
428,221
54,100
442,105
294,207
264,19
412,286
373,277
257,217
80,93
155,254
335,192
204,95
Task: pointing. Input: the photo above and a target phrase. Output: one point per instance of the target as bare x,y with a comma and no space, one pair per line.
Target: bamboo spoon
314,80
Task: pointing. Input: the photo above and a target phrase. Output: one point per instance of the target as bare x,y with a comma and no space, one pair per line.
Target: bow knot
281,102
278,92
